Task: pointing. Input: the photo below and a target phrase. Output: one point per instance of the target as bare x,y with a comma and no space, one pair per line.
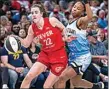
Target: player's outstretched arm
56,23
29,38
89,14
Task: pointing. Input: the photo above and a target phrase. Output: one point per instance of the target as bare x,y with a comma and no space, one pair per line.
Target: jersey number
48,41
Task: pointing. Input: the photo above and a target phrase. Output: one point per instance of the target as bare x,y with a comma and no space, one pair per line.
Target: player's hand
69,39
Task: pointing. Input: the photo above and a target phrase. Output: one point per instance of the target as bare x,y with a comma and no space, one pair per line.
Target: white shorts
80,64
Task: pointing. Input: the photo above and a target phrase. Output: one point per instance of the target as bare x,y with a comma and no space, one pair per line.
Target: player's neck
40,24
73,19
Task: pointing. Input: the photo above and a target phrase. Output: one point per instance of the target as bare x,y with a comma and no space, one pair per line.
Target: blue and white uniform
79,55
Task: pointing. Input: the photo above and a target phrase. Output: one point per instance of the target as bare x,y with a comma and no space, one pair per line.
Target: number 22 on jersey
48,41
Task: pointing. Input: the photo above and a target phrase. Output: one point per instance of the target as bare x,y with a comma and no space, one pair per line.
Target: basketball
12,44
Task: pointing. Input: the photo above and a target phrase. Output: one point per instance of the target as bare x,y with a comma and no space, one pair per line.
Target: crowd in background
15,18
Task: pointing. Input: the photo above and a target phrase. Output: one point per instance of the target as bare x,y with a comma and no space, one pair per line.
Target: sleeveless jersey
50,37
80,45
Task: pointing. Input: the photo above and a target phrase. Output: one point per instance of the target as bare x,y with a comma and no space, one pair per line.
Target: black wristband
85,1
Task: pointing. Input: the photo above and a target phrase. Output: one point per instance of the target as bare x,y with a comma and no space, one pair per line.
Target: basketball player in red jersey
53,54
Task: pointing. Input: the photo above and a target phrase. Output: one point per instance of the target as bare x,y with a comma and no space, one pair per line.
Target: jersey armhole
47,20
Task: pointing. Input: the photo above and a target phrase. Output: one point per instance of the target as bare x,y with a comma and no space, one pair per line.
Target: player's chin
35,20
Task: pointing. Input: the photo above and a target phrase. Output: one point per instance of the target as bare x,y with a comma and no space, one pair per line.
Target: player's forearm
88,10
64,33
25,42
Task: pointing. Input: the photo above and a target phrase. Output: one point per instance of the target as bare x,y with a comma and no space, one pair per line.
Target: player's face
77,9
36,14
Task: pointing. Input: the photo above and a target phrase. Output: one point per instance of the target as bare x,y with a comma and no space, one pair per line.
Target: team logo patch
58,69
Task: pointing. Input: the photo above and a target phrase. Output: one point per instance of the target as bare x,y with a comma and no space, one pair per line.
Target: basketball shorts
56,61
80,64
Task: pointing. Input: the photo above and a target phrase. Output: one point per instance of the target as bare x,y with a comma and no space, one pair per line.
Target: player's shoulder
53,21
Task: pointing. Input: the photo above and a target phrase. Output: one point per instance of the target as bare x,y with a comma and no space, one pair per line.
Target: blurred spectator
94,18
5,76
89,27
14,63
96,73
9,16
3,35
33,52
58,14
0,71
35,1
3,9
94,6
101,35
106,41
96,27
25,4
23,19
17,16
9,26
104,5
15,4
70,5
0,80
16,29
98,51
4,20
102,22
66,19
48,5
99,54
63,5
70,18
26,25
22,33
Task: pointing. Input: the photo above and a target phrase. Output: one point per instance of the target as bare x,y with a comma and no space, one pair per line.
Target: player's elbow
26,44
90,17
